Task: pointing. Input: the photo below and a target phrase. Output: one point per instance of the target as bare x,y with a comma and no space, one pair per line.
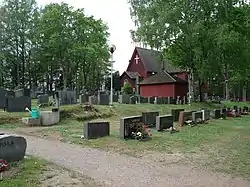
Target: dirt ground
55,176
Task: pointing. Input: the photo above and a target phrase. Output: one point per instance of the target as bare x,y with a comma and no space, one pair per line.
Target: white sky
115,13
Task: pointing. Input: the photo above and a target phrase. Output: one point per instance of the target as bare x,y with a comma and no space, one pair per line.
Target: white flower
139,134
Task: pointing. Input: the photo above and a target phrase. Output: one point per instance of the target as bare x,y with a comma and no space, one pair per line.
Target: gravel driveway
124,171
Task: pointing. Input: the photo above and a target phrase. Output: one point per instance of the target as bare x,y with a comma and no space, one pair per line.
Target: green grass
23,174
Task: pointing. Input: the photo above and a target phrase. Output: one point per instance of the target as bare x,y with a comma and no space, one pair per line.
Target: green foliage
56,44
127,88
210,37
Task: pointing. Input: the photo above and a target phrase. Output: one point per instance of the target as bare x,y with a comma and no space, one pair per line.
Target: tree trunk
200,90
244,94
65,80
227,90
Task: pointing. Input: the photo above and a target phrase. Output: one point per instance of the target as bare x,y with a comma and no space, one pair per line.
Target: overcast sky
116,14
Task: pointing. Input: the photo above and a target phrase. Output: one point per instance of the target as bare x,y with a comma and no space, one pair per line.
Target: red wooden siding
137,67
157,90
183,75
181,89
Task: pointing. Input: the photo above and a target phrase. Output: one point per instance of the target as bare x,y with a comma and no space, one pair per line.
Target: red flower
150,135
3,165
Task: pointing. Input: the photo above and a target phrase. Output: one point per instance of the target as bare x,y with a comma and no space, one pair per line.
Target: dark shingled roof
161,78
132,75
153,61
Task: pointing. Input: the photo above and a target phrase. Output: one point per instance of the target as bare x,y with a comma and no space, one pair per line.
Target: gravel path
124,171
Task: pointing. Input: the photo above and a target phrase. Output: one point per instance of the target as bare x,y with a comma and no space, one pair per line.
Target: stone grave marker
151,100
22,92
124,99
172,101
197,116
159,100
43,99
164,122
18,104
94,130
103,99
67,97
245,109
175,113
149,118
115,98
205,114
2,98
10,93
216,113
125,131
12,148
184,116
93,100
84,98
143,100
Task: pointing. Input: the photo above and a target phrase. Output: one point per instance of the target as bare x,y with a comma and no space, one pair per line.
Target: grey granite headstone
67,97
149,118
125,131
18,104
205,114
103,99
197,116
151,100
216,113
12,148
164,122
94,130
175,113
84,98
22,92
93,100
115,98
159,100
43,99
124,99
143,100
2,98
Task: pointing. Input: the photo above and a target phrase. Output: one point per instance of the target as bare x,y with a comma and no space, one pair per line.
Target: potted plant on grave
140,132
3,166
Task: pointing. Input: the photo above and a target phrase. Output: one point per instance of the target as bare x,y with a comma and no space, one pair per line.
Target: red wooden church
157,77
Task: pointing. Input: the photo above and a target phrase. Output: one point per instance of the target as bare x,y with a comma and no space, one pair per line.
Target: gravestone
67,97
245,109
197,116
175,113
93,100
143,100
103,99
159,100
12,148
2,98
125,131
216,113
149,118
124,99
165,100
164,122
22,92
18,104
94,130
115,98
205,115
172,101
43,99
236,109
84,98
151,100
184,116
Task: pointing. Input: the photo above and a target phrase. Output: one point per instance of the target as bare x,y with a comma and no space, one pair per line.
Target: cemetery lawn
24,173
220,145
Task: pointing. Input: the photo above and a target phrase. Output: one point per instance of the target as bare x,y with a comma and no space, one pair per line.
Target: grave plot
185,118
197,117
149,118
133,128
175,113
164,122
93,130
12,148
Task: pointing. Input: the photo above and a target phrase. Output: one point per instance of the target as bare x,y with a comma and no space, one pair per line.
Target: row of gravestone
153,120
100,99
127,99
